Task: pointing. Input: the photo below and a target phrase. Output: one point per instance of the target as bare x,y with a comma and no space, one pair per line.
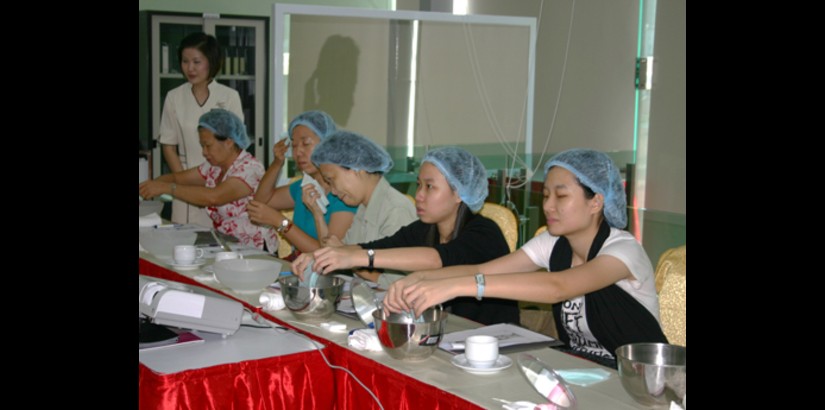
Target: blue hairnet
226,124
596,171
318,121
354,151
464,172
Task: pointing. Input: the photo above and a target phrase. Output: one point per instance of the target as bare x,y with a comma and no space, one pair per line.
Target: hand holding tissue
321,200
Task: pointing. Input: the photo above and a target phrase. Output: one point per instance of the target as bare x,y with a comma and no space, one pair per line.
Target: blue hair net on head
226,124
354,151
464,172
597,171
318,121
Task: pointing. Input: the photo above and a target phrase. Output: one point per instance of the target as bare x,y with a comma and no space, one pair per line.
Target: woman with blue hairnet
354,167
452,187
200,59
311,221
224,183
600,279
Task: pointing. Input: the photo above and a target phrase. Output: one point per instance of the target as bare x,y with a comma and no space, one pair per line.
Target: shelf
179,76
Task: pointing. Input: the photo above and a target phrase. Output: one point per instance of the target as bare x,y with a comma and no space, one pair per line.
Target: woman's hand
151,189
427,293
300,264
331,241
263,214
394,300
310,196
334,258
279,151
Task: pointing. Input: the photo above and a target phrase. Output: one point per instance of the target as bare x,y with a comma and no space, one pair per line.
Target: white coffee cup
481,351
222,256
186,254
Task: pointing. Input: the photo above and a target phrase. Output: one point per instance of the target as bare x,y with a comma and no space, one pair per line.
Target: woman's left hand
151,189
309,197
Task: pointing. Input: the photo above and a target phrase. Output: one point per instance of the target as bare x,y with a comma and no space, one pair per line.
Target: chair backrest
284,247
505,219
540,230
671,273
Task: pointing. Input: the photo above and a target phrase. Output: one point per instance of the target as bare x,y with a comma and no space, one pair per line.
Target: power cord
262,320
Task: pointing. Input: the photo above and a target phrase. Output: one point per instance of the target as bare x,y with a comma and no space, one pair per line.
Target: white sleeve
626,249
169,131
539,249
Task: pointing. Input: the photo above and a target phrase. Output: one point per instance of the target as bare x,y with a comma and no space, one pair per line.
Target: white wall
596,108
667,147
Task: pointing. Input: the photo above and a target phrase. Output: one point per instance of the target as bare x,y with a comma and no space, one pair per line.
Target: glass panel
238,70
170,37
238,43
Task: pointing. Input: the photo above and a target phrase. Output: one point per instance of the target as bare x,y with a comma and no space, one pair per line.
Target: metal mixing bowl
406,338
654,374
311,302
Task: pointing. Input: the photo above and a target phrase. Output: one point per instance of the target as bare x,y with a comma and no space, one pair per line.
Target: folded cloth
364,339
150,220
322,200
584,377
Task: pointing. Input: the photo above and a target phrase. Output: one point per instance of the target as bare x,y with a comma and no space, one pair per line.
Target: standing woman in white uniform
200,61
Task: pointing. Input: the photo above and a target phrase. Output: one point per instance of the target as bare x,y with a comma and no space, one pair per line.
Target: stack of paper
509,336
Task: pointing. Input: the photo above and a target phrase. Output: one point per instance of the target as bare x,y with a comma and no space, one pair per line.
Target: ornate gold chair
671,273
505,220
538,317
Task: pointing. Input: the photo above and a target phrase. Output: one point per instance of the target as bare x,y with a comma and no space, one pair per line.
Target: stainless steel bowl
654,374
406,338
311,302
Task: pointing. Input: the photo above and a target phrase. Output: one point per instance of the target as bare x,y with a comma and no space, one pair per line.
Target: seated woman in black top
452,186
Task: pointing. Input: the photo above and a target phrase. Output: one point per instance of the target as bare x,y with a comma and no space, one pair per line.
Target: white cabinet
244,43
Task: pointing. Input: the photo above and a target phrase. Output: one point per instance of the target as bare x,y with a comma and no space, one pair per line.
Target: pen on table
168,226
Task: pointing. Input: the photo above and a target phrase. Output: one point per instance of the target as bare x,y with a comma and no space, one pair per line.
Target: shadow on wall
331,87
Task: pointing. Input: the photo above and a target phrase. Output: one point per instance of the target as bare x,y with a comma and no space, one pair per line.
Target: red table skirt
295,381
299,378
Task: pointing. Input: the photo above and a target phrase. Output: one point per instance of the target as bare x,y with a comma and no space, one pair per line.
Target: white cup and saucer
187,257
481,356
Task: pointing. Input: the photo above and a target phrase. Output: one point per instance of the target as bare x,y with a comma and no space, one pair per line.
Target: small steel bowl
316,302
406,338
654,374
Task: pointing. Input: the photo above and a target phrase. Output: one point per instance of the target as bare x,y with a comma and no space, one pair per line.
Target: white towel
364,339
148,221
322,200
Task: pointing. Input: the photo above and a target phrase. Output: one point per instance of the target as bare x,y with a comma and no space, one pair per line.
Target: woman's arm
266,188
544,287
350,256
170,153
164,183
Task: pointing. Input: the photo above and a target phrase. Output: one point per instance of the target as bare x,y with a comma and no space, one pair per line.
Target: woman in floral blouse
224,184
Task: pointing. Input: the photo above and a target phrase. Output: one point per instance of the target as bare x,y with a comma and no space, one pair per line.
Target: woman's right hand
300,264
262,214
279,151
394,300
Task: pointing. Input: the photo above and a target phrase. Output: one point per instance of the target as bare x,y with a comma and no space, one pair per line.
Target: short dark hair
206,44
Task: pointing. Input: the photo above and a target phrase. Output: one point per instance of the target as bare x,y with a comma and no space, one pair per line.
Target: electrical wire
258,318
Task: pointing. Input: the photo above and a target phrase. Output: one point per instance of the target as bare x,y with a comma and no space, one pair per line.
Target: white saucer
194,265
501,363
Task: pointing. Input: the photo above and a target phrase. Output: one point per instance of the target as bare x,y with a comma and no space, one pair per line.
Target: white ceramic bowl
162,242
247,275
148,207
